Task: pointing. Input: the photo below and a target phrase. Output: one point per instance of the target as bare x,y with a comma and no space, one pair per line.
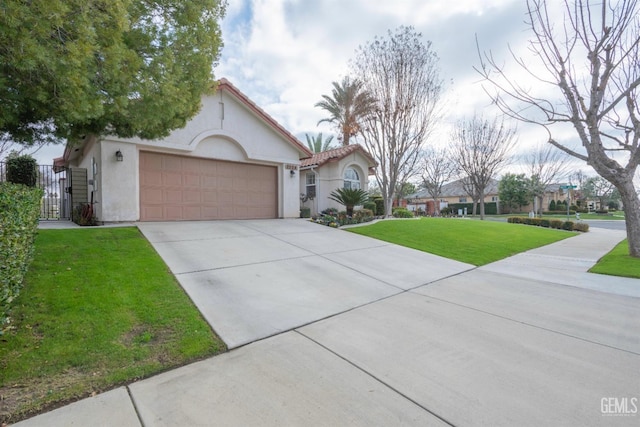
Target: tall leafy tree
317,144
589,80
348,104
401,73
513,191
69,68
601,189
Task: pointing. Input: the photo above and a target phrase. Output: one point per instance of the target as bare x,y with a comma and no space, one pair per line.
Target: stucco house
231,161
344,167
453,193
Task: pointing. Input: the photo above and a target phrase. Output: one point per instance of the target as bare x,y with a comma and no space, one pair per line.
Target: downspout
315,199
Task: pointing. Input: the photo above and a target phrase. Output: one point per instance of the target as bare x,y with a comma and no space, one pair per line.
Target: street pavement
327,327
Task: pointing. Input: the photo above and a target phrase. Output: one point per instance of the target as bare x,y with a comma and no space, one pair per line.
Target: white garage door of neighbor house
177,188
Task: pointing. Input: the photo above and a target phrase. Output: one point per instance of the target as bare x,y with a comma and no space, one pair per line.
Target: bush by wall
379,201
371,206
19,213
554,223
333,218
22,170
402,213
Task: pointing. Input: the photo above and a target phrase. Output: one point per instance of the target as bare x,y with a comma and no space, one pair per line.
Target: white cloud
284,54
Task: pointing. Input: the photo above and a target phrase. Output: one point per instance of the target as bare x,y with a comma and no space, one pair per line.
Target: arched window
351,179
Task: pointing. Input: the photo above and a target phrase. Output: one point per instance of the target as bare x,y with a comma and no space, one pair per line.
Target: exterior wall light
119,156
292,173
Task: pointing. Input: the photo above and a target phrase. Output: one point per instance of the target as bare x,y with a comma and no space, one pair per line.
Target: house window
462,200
311,184
494,198
351,179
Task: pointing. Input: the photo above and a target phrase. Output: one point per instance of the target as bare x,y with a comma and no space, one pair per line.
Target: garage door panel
210,197
173,213
151,178
240,184
152,196
172,197
192,212
210,212
191,196
153,213
208,181
172,163
184,188
172,179
191,180
225,198
151,162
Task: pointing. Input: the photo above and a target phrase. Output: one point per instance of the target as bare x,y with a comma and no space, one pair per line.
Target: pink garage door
177,188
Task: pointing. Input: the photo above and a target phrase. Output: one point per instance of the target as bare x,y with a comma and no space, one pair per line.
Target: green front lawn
473,242
618,263
99,308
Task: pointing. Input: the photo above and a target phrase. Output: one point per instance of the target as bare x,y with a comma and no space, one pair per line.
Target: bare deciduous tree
402,74
438,169
480,148
544,165
591,59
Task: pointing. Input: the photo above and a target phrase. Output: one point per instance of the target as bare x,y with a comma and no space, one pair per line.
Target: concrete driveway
254,279
345,330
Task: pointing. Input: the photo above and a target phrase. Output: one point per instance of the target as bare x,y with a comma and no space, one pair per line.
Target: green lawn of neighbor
473,242
616,216
99,308
618,263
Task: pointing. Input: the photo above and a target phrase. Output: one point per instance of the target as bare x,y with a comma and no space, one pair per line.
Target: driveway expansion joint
375,378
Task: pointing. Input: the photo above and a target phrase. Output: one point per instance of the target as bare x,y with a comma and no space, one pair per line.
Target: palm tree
349,102
316,144
349,197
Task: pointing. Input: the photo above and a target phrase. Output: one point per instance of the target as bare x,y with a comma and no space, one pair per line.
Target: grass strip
618,262
99,308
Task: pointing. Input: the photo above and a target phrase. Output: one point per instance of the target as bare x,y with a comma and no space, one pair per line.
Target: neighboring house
324,172
552,192
231,161
452,193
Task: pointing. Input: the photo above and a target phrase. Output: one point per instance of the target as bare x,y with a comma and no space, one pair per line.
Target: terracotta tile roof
319,159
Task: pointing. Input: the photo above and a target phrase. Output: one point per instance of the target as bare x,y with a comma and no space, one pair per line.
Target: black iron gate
55,203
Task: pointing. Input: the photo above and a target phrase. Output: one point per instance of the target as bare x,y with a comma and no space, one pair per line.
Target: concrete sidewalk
380,335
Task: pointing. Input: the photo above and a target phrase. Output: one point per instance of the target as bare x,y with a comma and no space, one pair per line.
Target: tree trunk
632,216
482,205
388,206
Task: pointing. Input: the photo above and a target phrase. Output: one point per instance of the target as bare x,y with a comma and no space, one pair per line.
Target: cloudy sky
284,54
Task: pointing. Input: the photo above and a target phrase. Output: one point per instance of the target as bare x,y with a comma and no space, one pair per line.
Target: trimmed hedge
490,208
19,214
554,223
22,170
